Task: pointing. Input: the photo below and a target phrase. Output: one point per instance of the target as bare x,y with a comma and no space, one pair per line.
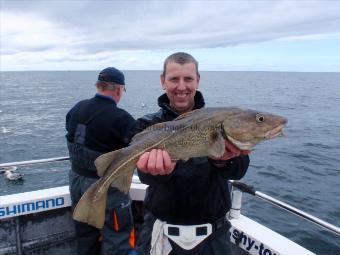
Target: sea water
301,169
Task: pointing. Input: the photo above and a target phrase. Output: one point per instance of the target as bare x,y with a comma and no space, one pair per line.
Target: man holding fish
188,193
185,153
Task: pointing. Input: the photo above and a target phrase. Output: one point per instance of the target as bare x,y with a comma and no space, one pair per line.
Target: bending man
96,126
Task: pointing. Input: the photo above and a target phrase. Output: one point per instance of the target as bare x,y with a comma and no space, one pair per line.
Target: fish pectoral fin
123,182
217,148
105,160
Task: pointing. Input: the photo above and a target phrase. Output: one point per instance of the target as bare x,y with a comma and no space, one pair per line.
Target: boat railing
250,190
32,162
239,185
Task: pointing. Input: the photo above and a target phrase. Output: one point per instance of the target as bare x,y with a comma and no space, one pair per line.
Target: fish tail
91,207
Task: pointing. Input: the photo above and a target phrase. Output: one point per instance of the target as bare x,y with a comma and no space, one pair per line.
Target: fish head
246,128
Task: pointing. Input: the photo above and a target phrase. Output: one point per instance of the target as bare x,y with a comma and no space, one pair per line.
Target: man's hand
231,151
156,162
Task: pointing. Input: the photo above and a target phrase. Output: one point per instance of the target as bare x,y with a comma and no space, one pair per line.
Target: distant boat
4,130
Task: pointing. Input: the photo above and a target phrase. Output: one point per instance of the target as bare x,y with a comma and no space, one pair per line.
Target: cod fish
194,134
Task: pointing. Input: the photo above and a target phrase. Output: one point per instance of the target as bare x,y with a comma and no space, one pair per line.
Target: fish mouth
277,131
241,145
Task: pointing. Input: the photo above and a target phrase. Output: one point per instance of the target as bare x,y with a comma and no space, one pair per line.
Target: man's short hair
180,58
103,85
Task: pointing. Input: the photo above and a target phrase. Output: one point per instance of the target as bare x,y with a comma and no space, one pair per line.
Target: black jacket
95,126
197,191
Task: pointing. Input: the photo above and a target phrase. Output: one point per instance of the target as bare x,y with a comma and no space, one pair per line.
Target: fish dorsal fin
184,115
217,147
105,160
158,126
154,127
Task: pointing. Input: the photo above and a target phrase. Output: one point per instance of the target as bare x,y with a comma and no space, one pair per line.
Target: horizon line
155,70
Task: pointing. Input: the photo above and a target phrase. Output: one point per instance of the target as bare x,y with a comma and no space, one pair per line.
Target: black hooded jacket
196,192
95,126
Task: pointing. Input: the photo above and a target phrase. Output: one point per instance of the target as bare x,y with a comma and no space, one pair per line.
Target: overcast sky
298,35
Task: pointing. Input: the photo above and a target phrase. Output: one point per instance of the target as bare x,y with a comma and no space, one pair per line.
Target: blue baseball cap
111,74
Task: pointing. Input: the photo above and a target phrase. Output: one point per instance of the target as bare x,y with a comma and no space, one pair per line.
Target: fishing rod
250,190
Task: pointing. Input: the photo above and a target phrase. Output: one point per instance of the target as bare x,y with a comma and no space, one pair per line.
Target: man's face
180,83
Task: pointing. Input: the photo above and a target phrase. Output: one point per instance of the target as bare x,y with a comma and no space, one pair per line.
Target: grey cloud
95,26
13,51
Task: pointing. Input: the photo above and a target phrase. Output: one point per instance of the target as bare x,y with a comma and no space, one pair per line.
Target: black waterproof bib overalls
116,237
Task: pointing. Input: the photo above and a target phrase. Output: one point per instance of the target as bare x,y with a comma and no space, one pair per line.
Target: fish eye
259,118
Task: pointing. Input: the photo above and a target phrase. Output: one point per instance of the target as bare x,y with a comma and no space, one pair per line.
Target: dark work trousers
218,243
113,238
